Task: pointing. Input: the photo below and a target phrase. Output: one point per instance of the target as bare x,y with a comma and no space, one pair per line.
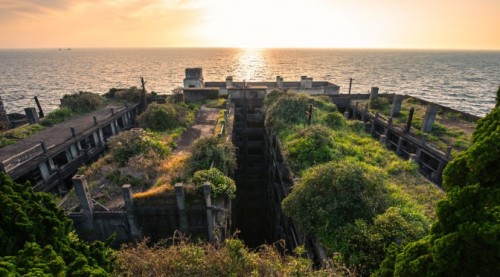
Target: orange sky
435,24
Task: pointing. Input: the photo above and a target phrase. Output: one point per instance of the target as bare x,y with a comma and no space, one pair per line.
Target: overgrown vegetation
449,129
57,116
220,184
38,239
232,258
353,195
208,150
82,102
465,239
12,136
164,117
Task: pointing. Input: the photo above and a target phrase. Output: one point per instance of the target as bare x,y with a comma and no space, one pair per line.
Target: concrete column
400,145
372,129
181,207
396,104
408,123
383,139
31,115
82,191
229,81
346,114
210,216
279,82
373,93
429,117
414,158
4,119
448,152
135,233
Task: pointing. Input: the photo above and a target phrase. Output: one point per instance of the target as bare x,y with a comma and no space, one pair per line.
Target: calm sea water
463,80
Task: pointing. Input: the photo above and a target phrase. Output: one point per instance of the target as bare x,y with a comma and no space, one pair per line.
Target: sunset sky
434,24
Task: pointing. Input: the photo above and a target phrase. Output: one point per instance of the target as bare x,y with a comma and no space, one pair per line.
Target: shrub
82,102
57,116
334,120
309,146
220,184
38,239
379,103
132,94
11,136
164,117
333,194
206,150
131,143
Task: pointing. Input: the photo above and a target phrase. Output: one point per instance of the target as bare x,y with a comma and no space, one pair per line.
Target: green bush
210,149
134,142
309,146
220,183
379,103
464,241
82,102
334,120
57,116
165,117
333,194
38,239
12,136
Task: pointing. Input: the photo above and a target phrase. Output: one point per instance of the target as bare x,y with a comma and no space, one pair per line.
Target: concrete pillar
372,129
408,123
181,207
429,117
210,217
400,145
396,104
373,93
4,119
31,115
383,139
414,158
303,81
279,82
229,81
448,152
82,191
346,114
135,233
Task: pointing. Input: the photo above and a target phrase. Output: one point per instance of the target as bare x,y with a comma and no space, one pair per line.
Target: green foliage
310,146
37,238
220,184
12,136
379,103
57,116
82,102
464,241
164,117
356,197
206,150
132,94
333,194
134,142
232,258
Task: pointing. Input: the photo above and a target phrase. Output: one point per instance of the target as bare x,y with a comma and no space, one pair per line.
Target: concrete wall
195,95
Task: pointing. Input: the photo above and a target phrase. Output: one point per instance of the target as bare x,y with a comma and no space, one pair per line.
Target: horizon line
263,48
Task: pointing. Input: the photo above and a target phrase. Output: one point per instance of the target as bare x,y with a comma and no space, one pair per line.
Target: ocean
464,80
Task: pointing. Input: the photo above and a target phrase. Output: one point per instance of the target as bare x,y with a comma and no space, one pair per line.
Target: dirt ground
203,126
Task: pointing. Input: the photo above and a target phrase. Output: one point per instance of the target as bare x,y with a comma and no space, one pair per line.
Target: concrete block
429,117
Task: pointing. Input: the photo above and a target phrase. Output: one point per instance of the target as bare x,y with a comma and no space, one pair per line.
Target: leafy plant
57,116
220,184
206,150
38,239
82,102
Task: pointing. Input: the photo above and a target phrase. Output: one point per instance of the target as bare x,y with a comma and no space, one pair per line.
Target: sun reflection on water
251,64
